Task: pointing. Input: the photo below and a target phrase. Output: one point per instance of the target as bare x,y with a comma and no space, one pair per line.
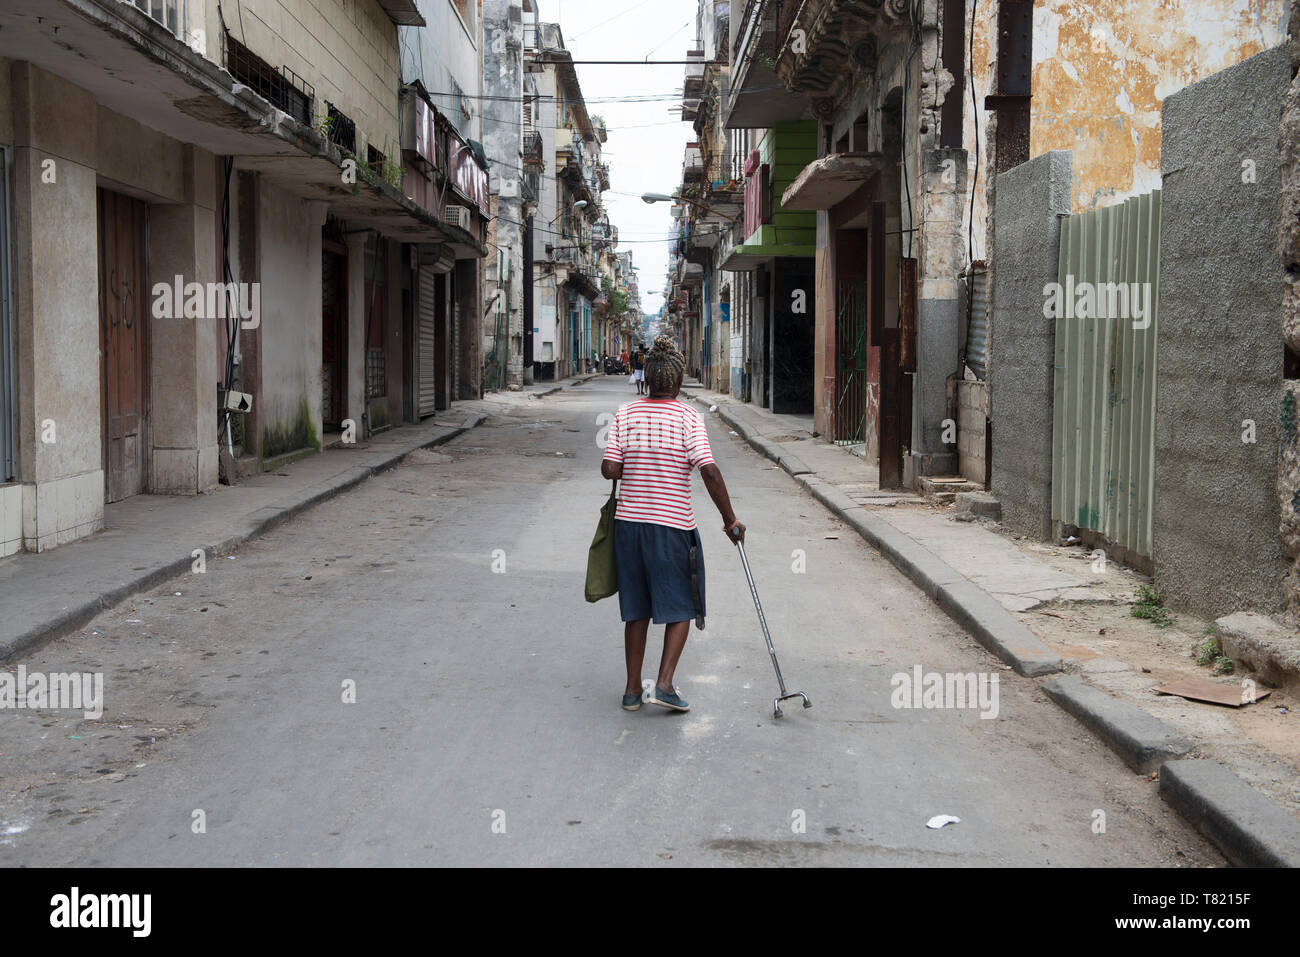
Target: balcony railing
280,86
692,162
534,155
764,25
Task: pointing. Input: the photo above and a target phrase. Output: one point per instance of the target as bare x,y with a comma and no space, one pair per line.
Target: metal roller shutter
426,326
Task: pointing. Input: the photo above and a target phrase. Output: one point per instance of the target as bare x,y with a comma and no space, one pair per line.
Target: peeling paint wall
1102,69
980,179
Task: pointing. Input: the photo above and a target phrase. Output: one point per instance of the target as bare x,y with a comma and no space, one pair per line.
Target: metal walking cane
776,703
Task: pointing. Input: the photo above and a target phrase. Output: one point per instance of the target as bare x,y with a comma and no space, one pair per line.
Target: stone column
183,373
356,371
56,312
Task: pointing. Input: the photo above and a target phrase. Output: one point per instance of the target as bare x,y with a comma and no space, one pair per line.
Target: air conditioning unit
457,216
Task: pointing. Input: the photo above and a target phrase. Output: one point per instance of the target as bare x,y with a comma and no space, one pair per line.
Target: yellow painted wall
1102,68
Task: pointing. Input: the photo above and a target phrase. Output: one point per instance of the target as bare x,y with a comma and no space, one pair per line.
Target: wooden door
124,344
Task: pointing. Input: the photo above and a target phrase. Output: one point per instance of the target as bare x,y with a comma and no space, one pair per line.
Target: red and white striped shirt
659,442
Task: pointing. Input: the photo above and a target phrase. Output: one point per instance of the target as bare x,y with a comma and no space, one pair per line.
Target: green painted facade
786,149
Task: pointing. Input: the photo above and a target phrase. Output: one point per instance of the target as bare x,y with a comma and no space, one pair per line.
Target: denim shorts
654,572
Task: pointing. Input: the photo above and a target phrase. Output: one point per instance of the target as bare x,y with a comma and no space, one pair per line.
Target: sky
646,139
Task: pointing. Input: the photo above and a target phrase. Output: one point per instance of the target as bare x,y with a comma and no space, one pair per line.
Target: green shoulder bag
602,566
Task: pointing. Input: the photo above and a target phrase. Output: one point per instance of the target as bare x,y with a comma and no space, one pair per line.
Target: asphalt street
486,727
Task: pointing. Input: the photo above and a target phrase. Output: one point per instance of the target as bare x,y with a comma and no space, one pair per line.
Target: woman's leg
634,635
674,641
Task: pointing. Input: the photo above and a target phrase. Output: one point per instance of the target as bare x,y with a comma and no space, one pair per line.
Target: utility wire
608,20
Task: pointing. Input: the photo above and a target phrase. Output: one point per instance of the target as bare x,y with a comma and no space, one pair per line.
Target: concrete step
944,489
1263,646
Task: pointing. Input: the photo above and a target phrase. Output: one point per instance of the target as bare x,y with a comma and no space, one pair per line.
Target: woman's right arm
611,466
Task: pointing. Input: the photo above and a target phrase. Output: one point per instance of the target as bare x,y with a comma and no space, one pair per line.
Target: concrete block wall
1288,247
1028,201
1219,355
972,411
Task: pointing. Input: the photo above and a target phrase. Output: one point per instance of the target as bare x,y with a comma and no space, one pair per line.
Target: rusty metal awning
824,182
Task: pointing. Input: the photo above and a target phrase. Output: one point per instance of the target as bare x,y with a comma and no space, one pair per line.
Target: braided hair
664,366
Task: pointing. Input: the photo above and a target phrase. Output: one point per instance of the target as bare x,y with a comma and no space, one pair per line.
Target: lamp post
651,198
580,204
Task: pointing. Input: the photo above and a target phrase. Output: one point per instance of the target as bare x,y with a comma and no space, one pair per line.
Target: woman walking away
653,445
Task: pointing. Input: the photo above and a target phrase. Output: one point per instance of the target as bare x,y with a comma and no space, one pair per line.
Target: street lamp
663,198
578,205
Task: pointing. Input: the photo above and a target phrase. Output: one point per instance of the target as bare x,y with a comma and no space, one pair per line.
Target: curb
253,524
965,602
1245,825
1249,829
1144,742
578,380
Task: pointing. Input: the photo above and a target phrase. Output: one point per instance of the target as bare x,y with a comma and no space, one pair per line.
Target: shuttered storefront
426,339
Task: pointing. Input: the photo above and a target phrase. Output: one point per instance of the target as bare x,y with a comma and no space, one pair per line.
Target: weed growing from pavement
1210,652
1150,604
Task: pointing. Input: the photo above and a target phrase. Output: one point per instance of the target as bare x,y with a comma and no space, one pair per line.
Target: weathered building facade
199,206
564,276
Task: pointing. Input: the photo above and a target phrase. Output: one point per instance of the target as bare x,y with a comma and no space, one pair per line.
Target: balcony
573,164
693,88
534,164
692,164
689,274
758,98
722,187
839,41
533,151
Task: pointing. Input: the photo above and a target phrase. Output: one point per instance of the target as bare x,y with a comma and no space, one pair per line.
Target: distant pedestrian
653,445
638,370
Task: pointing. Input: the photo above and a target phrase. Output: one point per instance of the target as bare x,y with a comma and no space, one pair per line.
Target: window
460,111
342,131
166,12
283,88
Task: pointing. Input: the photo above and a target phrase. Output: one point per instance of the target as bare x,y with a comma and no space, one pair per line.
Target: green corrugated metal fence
1103,436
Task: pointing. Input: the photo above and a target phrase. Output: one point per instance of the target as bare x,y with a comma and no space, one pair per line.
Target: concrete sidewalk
149,538
550,387
1037,607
